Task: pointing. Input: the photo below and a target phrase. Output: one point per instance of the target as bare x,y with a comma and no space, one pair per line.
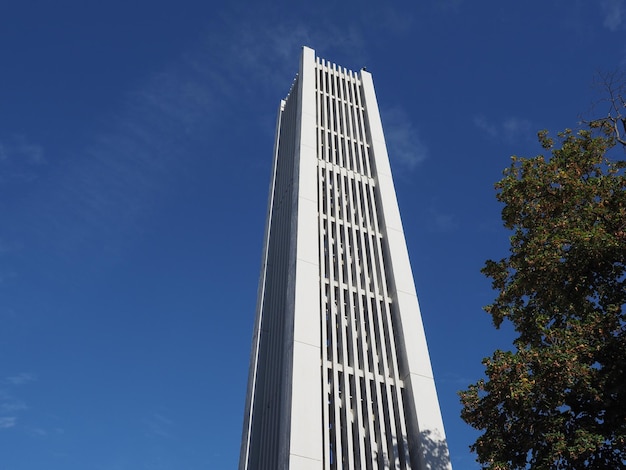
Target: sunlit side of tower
340,376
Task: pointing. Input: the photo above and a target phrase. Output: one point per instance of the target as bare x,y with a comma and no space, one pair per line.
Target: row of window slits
264,446
364,419
340,118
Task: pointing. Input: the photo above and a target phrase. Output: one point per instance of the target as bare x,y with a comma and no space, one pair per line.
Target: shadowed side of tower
340,375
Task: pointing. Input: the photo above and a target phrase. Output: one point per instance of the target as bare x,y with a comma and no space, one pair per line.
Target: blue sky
135,153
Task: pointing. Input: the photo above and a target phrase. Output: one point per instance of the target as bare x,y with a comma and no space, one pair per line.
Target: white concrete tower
340,376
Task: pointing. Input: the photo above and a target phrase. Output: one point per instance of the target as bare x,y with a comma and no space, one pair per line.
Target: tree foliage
558,400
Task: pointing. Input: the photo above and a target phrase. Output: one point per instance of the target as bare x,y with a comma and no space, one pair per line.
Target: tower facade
340,376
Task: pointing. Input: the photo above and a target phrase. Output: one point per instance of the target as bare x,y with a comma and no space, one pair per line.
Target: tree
613,88
558,400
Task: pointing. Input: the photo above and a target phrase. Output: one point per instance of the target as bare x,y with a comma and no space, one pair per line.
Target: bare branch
613,118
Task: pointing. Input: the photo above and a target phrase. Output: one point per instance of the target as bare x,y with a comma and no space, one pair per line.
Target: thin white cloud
489,128
101,194
37,432
12,407
159,425
403,141
105,192
614,12
7,422
20,160
20,149
510,129
269,52
515,128
441,222
20,379
31,151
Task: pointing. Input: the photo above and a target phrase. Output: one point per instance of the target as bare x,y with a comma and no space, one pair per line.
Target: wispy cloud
453,6
101,193
37,432
19,148
390,18
515,128
10,406
7,422
613,12
269,52
20,379
159,425
104,192
510,129
20,160
32,152
441,222
403,140
489,128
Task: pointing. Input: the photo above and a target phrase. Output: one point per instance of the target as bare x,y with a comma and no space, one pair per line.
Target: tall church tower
340,376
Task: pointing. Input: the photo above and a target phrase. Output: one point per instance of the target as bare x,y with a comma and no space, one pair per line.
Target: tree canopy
558,399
